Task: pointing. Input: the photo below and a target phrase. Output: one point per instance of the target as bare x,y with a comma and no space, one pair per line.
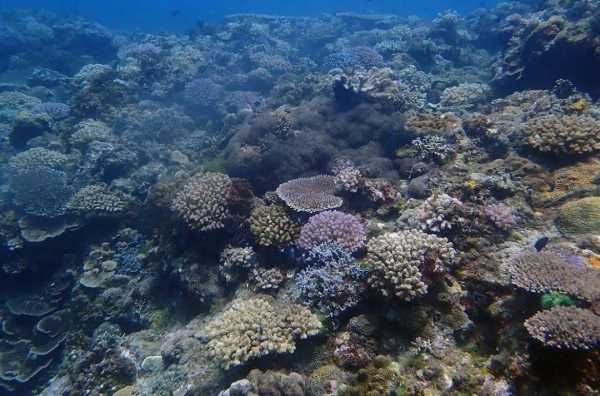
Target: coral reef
312,194
332,226
252,328
203,201
402,263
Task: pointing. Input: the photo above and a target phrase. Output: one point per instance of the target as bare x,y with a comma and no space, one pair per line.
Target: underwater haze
300,198
168,15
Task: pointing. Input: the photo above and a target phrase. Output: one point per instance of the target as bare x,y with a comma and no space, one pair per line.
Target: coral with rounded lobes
310,194
203,201
255,327
565,328
402,263
333,226
98,200
271,226
549,271
565,134
580,217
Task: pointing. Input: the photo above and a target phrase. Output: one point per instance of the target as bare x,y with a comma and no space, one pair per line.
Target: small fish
541,243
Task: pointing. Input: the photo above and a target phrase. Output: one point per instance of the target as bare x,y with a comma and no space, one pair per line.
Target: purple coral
332,281
333,226
202,92
502,215
53,109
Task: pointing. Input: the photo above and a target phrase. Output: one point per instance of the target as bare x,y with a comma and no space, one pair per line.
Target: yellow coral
470,184
579,105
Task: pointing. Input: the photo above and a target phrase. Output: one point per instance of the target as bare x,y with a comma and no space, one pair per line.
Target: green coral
379,379
580,217
555,299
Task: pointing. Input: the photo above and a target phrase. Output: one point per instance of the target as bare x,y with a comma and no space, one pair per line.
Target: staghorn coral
310,194
549,271
440,213
267,279
565,134
98,200
332,281
403,262
334,226
433,147
203,201
377,85
255,327
271,226
580,217
565,328
234,261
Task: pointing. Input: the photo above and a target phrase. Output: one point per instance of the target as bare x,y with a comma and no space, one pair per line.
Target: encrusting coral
256,327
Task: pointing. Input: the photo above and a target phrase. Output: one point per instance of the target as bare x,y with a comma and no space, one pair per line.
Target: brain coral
566,134
203,201
580,217
333,226
402,262
310,194
271,226
565,328
549,271
255,327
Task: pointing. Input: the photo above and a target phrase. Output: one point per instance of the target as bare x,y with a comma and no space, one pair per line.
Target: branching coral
98,200
271,226
333,282
310,194
333,226
256,327
567,134
234,261
403,262
203,201
565,328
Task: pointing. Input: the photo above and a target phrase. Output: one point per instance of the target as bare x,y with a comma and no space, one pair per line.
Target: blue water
178,15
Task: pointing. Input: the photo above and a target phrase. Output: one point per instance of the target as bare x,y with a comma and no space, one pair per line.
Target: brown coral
310,194
565,328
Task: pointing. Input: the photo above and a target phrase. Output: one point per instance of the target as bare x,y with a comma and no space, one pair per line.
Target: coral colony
345,205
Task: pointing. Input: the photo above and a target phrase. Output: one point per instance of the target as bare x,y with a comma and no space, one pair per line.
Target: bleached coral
256,327
403,262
